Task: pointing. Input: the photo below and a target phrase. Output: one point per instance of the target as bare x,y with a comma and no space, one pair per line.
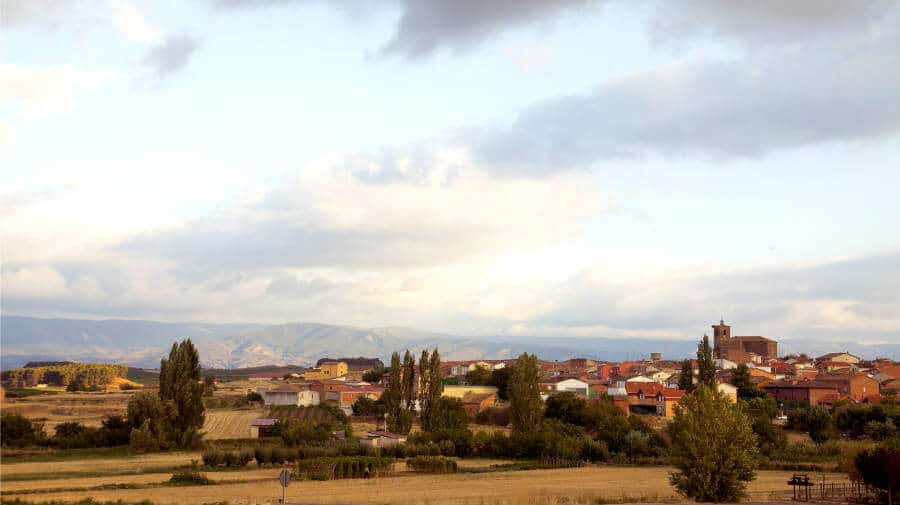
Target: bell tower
721,337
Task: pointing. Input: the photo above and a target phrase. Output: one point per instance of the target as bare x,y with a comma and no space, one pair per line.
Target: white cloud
131,23
40,90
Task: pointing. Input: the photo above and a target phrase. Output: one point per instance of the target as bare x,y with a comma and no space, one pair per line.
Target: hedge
432,464
342,467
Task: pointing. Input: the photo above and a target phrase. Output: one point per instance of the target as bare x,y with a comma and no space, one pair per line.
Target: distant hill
228,346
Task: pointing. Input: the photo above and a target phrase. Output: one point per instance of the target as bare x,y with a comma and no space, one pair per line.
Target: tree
526,408
374,375
431,387
209,386
409,382
500,380
18,431
154,418
686,380
820,425
880,468
179,382
713,447
705,363
398,420
567,407
746,389
480,376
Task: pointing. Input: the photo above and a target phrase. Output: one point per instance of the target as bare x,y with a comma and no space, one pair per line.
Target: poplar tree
524,394
398,420
409,382
179,383
686,381
705,363
431,388
424,386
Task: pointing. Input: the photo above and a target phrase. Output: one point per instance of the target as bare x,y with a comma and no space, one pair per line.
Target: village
647,387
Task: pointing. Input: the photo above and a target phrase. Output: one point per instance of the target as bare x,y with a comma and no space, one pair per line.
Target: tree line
80,375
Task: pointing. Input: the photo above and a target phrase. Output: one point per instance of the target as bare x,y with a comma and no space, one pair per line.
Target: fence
806,488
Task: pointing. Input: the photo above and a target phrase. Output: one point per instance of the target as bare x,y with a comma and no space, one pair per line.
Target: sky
620,168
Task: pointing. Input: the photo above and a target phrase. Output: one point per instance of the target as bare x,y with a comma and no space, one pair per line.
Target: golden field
259,486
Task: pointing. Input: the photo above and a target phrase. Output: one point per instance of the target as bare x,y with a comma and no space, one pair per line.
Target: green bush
18,431
213,457
342,467
263,455
432,464
189,478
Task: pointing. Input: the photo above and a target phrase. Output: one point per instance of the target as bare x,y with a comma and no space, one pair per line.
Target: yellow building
461,391
327,370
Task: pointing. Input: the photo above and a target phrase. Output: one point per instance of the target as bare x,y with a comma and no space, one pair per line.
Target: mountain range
142,343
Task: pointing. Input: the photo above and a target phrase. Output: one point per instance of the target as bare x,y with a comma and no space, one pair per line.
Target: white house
579,387
290,394
640,378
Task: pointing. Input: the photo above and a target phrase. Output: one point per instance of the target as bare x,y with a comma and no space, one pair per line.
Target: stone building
739,348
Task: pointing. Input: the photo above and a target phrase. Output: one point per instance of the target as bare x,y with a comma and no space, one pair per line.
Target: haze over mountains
142,343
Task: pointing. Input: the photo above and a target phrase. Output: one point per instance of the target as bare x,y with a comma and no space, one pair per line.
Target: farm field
258,486
224,424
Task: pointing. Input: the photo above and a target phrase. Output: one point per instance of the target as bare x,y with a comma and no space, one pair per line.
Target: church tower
721,337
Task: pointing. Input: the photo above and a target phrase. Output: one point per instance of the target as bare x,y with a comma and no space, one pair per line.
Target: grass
49,455
586,485
86,501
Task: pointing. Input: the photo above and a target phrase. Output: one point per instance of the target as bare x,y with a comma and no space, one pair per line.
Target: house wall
276,398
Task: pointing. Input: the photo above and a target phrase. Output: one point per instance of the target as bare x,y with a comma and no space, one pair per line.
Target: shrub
432,464
18,431
263,455
230,458
143,440
244,457
342,467
880,430
213,457
189,478
880,468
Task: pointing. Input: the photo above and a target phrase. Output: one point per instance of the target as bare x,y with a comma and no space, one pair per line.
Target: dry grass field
259,486
53,409
222,424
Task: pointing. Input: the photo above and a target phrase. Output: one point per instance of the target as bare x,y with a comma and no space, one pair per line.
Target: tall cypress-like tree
526,408
409,382
437,380
705,363
424,385
397,417
179,383
433,388
686,381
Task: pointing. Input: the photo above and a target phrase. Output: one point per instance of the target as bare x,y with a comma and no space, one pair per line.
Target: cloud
171,55
336,222
79,15
717,109
768,23
132,24
39,90
846,298
428,25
